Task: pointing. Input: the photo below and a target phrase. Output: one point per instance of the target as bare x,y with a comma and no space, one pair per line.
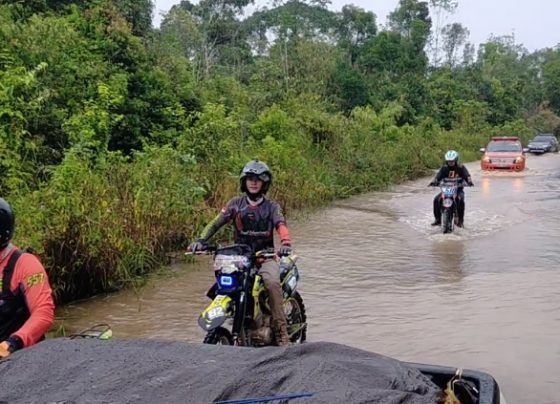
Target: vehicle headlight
519,160
487,160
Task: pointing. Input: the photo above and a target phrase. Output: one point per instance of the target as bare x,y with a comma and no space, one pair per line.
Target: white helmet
452,155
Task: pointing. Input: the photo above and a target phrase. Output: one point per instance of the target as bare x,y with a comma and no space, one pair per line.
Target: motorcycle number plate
447,203
215,312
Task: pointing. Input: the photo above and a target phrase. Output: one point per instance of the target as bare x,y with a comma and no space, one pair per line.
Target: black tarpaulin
150,371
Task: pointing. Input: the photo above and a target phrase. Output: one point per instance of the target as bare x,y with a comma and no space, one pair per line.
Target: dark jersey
252,225
457,171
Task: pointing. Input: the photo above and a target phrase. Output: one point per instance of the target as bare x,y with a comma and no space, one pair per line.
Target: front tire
219,336
296,318
447,221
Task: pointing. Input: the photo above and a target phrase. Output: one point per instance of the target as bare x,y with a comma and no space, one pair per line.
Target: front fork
239,331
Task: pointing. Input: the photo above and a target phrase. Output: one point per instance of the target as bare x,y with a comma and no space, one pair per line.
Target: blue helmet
452,155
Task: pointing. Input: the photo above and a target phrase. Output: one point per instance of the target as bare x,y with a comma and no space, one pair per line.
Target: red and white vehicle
503,153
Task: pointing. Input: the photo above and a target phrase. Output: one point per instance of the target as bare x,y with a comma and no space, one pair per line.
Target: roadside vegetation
118,140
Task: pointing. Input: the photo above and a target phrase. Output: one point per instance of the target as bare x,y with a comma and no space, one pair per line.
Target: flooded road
376,276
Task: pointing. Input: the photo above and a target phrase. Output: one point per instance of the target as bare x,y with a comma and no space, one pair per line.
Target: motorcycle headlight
227,283
447,203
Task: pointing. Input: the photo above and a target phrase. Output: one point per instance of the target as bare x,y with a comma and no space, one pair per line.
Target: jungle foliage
120,140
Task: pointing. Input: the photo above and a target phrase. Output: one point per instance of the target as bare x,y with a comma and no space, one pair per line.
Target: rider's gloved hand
284,250
10,345
433,183
4,350
198,245
470,183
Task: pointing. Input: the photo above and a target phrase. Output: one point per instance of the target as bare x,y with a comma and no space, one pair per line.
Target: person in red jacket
254,219
26,302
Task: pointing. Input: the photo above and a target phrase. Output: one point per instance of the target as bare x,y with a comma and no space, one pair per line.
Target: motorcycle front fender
215,314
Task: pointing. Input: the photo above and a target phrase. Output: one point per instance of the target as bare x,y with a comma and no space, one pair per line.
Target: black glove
284,250
470,183
198,245
433,183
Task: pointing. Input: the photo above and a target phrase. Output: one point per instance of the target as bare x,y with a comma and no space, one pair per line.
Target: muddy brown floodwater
376,276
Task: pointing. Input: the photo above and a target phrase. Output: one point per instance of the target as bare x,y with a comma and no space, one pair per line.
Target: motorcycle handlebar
209,250
433,184
266,254
212,248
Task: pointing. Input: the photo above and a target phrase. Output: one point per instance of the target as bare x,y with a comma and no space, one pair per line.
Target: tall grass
100,223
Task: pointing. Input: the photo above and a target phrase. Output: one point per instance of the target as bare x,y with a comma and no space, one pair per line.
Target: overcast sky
532,22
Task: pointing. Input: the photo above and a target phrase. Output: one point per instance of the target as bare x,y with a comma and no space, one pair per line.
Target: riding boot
461,213
437,211
270,274
281,333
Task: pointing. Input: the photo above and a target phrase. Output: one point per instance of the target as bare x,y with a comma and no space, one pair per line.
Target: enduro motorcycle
239,313
448,203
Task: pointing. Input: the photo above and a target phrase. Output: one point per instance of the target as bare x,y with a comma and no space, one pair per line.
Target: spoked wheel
219,336
296,318
447,221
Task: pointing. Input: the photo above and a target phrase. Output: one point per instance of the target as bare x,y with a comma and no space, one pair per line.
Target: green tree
510,82
551,78
348,87
219,38
19,98
441,9
355,27
454,36
412,20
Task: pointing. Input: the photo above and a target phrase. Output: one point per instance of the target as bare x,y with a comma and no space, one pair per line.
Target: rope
265,399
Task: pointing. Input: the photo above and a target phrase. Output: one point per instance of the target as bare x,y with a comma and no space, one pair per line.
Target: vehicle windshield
504,146
542,139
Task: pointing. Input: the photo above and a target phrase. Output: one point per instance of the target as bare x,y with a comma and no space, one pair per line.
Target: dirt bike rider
451,169
254,219
26,303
